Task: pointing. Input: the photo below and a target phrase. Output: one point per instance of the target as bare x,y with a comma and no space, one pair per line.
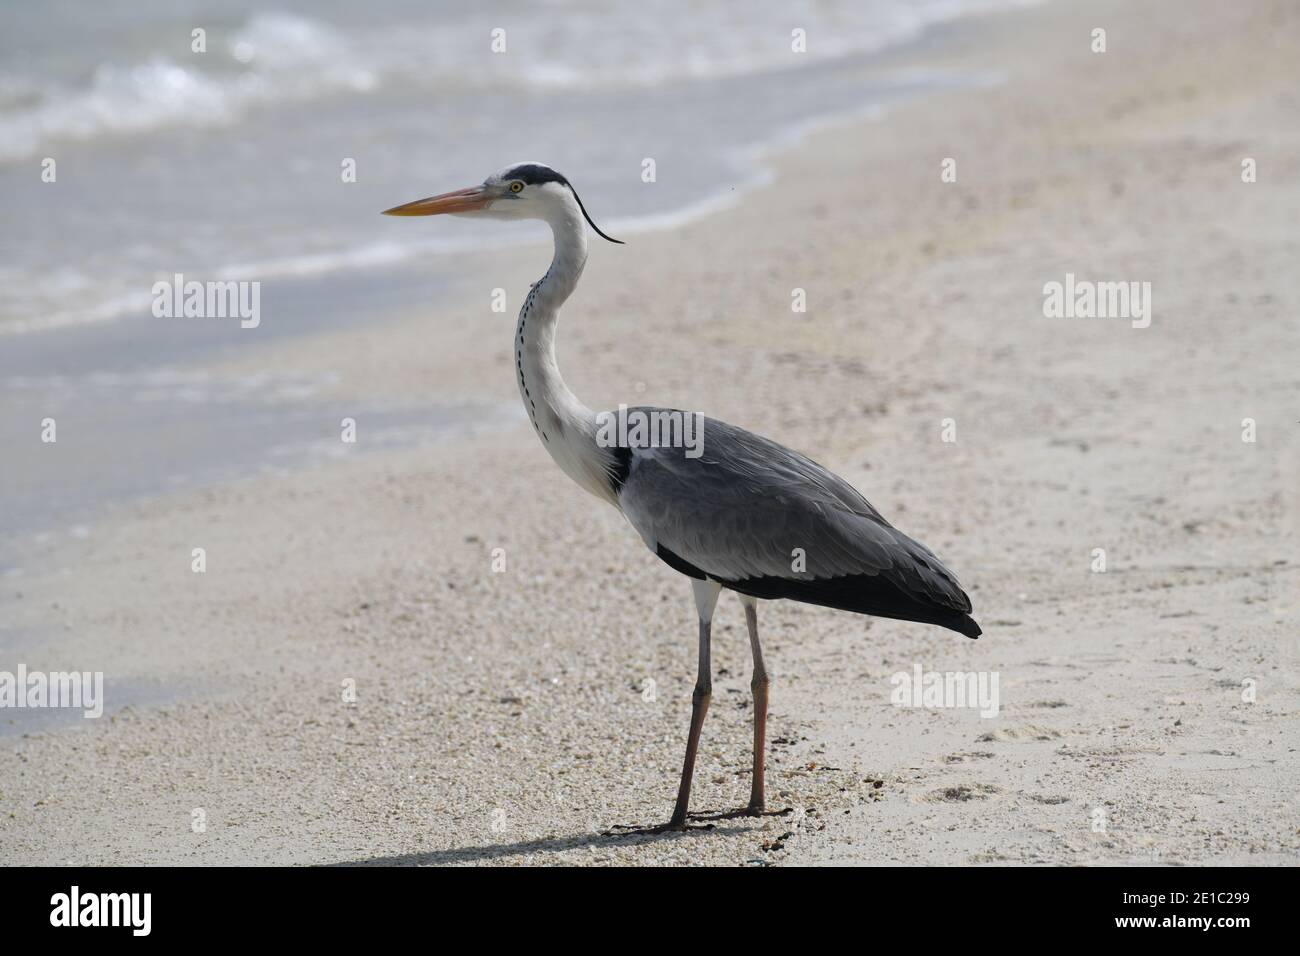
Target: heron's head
521,191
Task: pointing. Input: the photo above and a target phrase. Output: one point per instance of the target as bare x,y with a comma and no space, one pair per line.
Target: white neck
566,427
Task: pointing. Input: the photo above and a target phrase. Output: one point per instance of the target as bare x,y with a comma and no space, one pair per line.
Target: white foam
273,57
277,57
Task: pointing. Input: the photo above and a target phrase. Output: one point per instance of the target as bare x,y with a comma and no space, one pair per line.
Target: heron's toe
672,826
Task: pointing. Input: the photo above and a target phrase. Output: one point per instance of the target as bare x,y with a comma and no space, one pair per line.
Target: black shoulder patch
622,465
533,174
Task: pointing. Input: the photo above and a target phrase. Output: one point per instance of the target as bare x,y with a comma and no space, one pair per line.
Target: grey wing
768,521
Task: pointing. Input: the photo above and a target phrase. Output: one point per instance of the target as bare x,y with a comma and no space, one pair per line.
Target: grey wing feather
742,508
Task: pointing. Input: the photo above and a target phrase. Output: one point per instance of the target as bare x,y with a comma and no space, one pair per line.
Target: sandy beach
1148,712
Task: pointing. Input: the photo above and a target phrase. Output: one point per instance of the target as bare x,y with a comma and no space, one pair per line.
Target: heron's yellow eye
516,187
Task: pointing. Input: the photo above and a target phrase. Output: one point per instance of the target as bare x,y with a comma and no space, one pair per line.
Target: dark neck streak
566,427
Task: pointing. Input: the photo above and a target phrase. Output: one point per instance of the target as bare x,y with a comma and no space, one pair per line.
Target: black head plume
534,174
588,218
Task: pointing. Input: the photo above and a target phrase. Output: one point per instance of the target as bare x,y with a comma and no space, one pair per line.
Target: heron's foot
672,826
750,811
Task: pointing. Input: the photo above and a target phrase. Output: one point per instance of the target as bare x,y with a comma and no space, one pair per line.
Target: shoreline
500,718
364,265
185,364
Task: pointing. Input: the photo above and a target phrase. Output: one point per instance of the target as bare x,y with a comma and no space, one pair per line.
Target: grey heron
736,512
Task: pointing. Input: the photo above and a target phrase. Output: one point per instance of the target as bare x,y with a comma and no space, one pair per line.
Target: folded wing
764,520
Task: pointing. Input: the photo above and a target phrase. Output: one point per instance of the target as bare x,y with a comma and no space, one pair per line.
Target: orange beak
461,200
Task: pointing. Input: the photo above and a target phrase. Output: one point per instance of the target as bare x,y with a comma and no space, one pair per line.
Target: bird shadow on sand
559,844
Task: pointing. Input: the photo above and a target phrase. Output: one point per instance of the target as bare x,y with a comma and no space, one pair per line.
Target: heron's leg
706,598
759,685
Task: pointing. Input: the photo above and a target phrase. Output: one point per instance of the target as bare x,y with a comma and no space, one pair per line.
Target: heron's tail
871,594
